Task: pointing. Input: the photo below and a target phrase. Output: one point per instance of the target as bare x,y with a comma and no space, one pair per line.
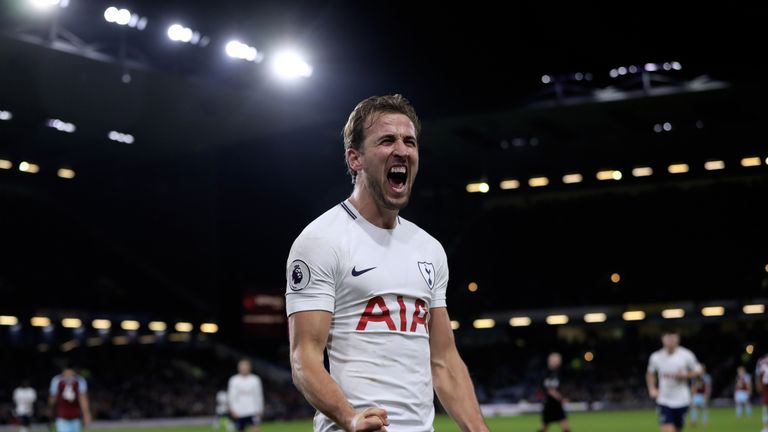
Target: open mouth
397,177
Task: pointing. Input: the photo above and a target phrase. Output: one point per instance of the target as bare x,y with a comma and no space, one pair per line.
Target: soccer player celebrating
246,398
68,396
553,403
369,287
675,366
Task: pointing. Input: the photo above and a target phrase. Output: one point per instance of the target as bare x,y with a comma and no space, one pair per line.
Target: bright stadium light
595,317
65,173
71,323
749,349
673,313
455,325
633,316
752,161
481,187
291,65
713,311
472,287
538,181
121,137
615,277
5,164
48,4
642,171
29,167
557,319
242,51
180,33
509,184
5,115
183,327
125,17
61,125
679,168
209,327
609,175
130,325
588,356
40,321
572,178
546,79
101,324
483,323
520,321
651,67
157,326
714,165
752,309
8,320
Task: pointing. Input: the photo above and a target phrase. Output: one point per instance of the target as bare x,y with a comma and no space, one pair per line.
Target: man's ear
354,160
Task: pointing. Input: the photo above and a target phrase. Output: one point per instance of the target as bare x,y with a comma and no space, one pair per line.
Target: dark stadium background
197,216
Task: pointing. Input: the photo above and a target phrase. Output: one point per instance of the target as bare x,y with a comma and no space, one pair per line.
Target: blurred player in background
701,388
672,367
68,400
761,379
24,396
553,400
742,392
222,421
246,398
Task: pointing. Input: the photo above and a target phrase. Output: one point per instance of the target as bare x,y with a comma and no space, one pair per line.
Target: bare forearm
322,392
650,381
457,394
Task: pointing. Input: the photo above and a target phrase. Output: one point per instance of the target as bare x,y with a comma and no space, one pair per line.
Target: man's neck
371,211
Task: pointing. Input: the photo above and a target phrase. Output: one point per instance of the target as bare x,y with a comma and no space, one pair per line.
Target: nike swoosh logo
356,273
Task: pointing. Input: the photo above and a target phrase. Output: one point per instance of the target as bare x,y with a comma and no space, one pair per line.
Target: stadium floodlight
589,356
183,327
40,321
615,277
5,115
125,17
65,173
677,65
5,164
291,65
121,137
651,67
61,125
484,323
673,313
609,175
48,4
714,165
29,167
209,327
538,181
667,126
557,319
101,324
546,79
520,321
71,323
157,326
713,311
481,187
622,70
130,325
455,325
679,168
642,171
595,317
752,309
180,33
509,184
633,315
243,51
751,161
472,287
8,320
572,178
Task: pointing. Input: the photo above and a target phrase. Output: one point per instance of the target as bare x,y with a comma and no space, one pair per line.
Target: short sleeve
310,274
693,363
441,280
82,385
53,389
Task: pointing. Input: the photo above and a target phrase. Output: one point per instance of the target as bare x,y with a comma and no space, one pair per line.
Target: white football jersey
25,398
379,284
673,392
245,395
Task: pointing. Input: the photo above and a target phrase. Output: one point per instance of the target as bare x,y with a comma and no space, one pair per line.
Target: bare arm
85,407
450,376
650,381
308,332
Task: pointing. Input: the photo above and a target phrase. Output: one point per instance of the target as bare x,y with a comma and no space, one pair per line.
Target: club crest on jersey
428,272
298,275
